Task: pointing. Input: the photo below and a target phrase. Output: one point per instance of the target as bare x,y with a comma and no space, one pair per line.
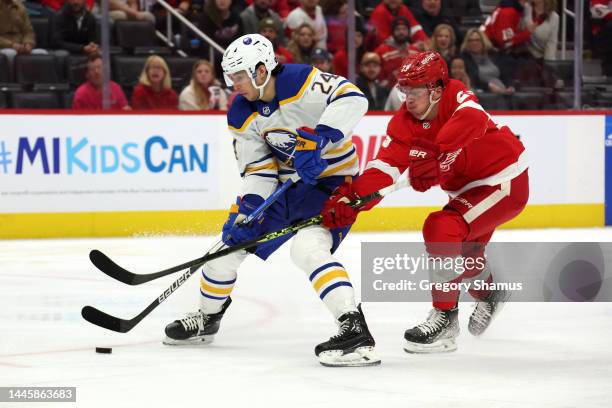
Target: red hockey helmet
423,69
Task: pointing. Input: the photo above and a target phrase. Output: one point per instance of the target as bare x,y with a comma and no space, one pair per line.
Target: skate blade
440,346
478,331
194,341
361,357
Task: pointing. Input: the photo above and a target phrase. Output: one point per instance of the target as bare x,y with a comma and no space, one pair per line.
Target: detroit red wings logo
450,158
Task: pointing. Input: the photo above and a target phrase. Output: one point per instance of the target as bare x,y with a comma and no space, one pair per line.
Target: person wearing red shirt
340,59
89,94
393,51
382,18
601,15
154,90
503,27
443,136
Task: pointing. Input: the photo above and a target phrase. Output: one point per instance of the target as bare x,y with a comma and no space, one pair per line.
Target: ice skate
196,328
436,335
353,346
485,311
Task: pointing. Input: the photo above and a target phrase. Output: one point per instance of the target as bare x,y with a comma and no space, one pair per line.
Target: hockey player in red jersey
442,136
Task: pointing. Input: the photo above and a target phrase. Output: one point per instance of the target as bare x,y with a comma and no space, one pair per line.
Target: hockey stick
110,268
102,319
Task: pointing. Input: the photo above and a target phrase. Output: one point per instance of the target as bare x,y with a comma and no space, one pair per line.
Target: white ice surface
534,355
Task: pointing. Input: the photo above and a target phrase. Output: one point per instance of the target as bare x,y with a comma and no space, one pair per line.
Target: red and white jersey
503,28
475,151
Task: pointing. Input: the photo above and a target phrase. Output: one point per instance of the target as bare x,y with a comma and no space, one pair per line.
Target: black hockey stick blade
110,268
106,321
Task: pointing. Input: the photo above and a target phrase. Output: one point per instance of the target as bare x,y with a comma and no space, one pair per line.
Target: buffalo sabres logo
247,41
282,143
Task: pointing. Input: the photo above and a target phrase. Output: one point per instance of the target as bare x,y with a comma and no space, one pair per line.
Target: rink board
75,175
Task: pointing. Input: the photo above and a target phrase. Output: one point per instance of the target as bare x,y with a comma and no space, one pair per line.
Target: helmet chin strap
261,87
432,103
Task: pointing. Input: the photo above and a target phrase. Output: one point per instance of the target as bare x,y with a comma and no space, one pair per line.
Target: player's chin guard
426,69
353,346
436,335
245,54
196,328
485,311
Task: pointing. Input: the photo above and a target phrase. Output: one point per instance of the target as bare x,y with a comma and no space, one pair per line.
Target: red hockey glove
336,211
424,170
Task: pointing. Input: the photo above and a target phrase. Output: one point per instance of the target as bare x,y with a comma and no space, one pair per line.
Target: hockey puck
104,350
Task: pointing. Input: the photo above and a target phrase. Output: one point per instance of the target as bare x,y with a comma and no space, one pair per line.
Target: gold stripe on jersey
336,168
340,149
301,91
346,88
245,124
267,166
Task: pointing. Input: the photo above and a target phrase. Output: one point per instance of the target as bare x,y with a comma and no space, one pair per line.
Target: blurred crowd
508,55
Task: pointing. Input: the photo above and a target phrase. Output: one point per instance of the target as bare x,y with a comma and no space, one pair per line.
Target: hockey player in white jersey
287,120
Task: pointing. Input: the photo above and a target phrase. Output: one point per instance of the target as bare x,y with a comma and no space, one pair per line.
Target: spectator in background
310,13
395,48
280,7
321,60
89,94
368,82
504,27
340,60
255,13
16,32
458,72
74,29
336,14
154,89
430,14
302,43
541,15
601,13
269,29
482,64
443,41
182,7
382,18
204,91
220,22
124,10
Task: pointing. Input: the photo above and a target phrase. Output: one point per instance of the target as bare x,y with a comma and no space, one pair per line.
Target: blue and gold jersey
264,132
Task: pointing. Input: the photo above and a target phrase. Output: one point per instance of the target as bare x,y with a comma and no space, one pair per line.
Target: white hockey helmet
244,54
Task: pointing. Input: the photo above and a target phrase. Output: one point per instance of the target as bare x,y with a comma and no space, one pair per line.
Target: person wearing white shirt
309,12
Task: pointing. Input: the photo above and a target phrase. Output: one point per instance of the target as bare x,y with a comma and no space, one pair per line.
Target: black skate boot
485,310
196,328
436,335
353,346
